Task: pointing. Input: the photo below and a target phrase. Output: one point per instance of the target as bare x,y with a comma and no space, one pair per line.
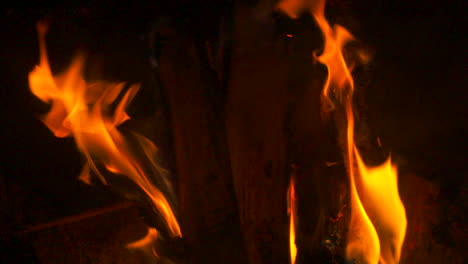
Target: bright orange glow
292,220
373,191
91,112
146,243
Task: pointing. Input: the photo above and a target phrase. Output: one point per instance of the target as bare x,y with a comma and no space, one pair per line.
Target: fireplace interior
230,95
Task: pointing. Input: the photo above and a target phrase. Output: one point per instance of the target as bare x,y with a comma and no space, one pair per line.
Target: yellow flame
378,221
84,110
292,221
379,190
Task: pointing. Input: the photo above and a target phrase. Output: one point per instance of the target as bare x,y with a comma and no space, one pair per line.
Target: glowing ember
378,220
292,220
85,110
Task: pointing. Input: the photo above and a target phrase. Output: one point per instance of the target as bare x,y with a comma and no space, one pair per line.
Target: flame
380,192
292,220
85,111
146,243
378,221
339,75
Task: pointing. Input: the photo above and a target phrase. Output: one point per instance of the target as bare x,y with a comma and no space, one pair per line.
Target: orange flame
378,221
339,75
84,110
146,242
292,220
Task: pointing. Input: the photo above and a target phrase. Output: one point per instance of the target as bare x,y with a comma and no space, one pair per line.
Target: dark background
415,92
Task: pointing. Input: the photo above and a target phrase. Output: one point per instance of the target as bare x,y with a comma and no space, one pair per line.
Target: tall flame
86,111
378,221
292,220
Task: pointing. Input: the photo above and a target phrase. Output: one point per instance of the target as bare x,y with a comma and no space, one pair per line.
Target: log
321,182
207,203
255,116
273,121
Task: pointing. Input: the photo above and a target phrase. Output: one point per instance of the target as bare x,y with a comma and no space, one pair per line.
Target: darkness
414,92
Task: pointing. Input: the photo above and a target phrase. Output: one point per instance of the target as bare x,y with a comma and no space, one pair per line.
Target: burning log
273,120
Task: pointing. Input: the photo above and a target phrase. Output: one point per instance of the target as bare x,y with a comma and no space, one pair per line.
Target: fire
292,220
378,221
91,113
146,242
380,187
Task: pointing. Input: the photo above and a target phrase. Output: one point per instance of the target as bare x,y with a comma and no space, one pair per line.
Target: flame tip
42,26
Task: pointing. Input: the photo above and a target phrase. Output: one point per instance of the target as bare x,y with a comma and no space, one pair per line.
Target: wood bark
207,203
255,116
273,123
